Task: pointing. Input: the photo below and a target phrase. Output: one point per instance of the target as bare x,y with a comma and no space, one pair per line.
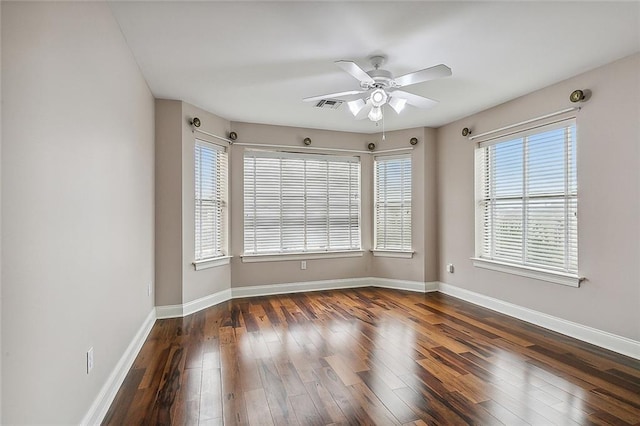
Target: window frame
405,250
565,275
302,251
203,260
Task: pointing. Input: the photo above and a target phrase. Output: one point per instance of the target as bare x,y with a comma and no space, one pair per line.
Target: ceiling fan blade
421,76
338,95
353,69
348,98
415,100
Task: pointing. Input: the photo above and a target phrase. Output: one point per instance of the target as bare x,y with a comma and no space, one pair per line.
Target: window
527,199
210,200
392,203
296,203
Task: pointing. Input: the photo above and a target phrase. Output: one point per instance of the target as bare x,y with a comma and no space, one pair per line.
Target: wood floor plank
211,395
258,410
324,402
277,397
305,410
125,398
351,409
370,356
394,404
342,369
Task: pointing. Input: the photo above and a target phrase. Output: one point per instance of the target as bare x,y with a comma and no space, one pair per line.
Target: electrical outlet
149,288
450,268
89,360
303,265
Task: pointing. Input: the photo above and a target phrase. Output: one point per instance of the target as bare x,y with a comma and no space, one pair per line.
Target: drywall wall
422,267
168,202
251,274
177,281
423,197
78,207
430,206
609,202
0,215
202,283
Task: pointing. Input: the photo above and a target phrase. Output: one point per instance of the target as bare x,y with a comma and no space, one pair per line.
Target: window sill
393,253
251,258
529,272
211,263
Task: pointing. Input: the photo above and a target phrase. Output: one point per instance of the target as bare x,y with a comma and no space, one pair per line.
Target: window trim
278,257
212,262
399,254
540,273
548,275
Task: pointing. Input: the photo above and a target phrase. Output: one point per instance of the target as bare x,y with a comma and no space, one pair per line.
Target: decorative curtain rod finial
580,95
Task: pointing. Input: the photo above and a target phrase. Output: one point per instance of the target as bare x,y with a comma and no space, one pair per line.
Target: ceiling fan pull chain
383,135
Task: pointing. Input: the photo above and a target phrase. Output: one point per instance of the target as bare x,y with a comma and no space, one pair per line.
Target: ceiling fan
378,87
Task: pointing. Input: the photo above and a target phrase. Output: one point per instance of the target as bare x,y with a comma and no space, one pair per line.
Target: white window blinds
392,188
527,199
297,203
210,199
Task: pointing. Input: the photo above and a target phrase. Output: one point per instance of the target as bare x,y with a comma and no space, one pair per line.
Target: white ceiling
255,61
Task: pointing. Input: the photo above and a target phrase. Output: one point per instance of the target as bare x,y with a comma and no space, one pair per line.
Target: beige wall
609,202
177,281
168,202
0,215
251,274
197,284
423,266
77,207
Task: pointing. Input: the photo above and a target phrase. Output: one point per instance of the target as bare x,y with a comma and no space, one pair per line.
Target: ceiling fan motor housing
382,79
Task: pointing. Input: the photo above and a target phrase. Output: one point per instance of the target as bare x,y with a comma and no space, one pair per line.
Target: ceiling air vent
329,104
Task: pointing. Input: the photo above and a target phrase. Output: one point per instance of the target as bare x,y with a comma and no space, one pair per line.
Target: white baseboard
178,311
169,311
270,289
418,286
103,401
587,334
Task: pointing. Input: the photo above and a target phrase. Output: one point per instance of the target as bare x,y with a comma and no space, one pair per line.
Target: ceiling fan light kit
375,114
378,87
356,106
379,97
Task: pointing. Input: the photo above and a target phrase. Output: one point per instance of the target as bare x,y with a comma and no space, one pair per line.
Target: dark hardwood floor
370,356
